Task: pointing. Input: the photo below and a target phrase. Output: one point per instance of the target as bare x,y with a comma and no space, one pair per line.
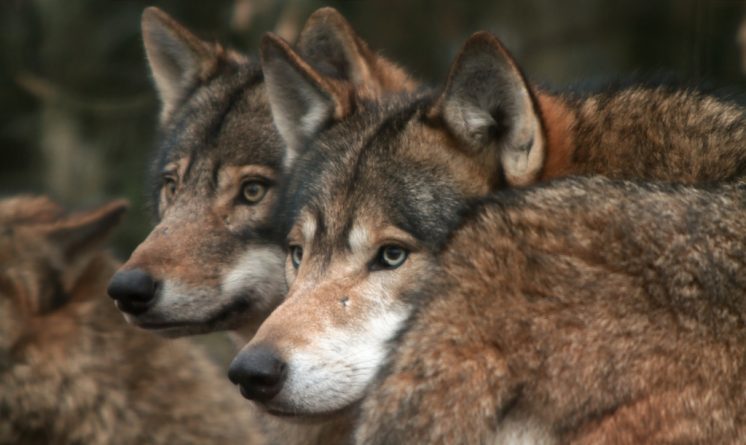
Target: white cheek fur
336,368
260,271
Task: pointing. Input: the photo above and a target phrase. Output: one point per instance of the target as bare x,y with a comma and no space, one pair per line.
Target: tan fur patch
231,179
558,123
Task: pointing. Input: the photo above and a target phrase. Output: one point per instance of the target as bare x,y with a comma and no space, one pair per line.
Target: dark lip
132,309
310,417
162,326
226,313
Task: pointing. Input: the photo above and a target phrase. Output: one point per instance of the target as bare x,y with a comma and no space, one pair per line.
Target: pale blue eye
296,255
392,256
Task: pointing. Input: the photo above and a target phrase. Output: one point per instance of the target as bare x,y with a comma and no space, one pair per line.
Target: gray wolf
584,311
379,190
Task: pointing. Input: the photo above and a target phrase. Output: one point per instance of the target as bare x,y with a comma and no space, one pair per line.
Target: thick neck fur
595,314
652,133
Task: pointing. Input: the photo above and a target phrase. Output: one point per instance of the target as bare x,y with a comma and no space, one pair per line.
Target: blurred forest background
78,112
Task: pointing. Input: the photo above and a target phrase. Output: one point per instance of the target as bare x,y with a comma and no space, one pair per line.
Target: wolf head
214,260
44,256
373,197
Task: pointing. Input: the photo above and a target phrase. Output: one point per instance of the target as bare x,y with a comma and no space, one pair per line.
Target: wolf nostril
133,289
259,372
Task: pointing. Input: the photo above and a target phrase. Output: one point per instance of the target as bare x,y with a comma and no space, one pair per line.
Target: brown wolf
587,311
72,371
380,189
214,260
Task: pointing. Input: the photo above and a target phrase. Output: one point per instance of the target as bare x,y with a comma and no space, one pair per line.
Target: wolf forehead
362,169
227,119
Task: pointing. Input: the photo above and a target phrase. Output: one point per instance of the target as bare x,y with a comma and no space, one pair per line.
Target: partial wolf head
43,255
214,260
373,197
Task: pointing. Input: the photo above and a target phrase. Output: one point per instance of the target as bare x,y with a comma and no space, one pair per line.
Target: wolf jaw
212,261
412,166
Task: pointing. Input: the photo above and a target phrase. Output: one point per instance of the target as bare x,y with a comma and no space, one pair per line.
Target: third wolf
72,371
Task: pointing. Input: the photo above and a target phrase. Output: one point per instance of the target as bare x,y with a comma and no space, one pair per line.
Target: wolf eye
296,255
391,257
253,191
169,187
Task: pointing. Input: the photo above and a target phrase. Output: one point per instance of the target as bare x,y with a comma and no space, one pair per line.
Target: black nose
259,372
133,289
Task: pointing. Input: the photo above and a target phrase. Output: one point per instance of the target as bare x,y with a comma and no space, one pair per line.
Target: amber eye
253,191
169,188
296,255
391,257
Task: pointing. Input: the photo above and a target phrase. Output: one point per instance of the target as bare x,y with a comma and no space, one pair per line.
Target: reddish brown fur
645,133
639,132
595,314
73,371
558,121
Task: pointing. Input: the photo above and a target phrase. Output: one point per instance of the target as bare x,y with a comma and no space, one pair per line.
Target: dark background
78,113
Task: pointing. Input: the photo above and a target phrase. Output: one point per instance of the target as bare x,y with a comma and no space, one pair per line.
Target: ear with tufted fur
82,233
177,58
330,44
302,100
487,105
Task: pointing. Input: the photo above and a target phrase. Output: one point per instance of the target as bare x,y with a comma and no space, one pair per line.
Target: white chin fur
333,372
261,272
257,278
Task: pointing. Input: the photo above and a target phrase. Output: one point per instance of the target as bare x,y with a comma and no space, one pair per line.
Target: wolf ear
76,238
330,43
487,105
177,57
302,100
80,234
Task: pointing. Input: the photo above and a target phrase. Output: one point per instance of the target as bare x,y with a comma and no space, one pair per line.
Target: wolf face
214,260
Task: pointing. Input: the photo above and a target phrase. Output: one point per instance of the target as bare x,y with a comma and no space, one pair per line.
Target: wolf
214,260
585,311
72,371
376,194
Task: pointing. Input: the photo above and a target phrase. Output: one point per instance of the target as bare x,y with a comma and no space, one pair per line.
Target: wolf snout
259,372
133,289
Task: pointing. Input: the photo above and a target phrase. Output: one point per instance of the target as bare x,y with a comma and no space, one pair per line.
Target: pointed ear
330,44
487,104
177,57
302,100
81,234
